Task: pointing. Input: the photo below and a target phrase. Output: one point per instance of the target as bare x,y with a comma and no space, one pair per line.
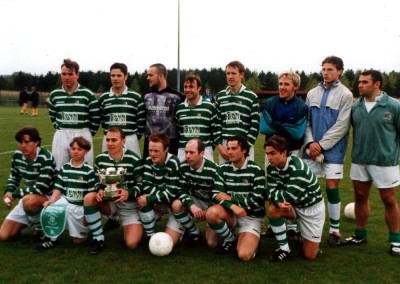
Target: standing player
375,156
196,118
286,115
74,181
161,103
294,192
74,111
35,167
197,183
124,205
327,133
160,187
123,108
237,111
239,196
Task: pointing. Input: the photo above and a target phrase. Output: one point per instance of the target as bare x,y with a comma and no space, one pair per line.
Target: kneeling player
197,183
160,187
74,181
123,205
36,168
294,192
239,196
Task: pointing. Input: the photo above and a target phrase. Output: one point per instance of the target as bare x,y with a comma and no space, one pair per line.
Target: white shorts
162,208
295,153
329,171
19,215
249,224
60,147
382,177
208,154
131,143
203,205
222,160
128,213
75,225
311,221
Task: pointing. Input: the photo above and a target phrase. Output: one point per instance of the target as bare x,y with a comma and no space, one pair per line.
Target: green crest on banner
53,219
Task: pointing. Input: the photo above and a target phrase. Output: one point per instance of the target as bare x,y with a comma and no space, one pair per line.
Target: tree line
214,79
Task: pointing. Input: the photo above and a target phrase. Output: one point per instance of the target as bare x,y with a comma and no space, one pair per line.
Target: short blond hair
291,75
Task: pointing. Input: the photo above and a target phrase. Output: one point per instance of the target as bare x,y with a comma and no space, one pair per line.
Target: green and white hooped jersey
74,111
133,166
246,186
198,183
161,182
296,184
125,111
76,182
38,176
237,114
197,121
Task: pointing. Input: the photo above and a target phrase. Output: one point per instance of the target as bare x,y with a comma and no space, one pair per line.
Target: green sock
223,231
394,238
361,232
333,195
93,218
278,226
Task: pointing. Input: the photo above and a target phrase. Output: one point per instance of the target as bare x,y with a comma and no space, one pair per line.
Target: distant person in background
23,100
123,108
74,111
161,103
327,134
375,157
34,98
208,96
237,111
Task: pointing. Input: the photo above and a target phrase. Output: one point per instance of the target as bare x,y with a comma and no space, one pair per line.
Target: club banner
53,219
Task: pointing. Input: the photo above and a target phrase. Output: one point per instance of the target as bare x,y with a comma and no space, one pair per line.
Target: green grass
21,263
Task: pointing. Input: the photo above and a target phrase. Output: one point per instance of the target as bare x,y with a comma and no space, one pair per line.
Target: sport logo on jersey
69,117
388,116
169,101
245,181
232,117
191,129
114,117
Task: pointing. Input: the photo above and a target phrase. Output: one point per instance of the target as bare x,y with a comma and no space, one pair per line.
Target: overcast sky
263,34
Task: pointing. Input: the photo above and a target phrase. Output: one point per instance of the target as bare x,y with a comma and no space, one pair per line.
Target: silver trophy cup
111,178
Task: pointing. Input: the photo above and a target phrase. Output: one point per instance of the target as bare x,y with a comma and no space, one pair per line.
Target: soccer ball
349,211
161,244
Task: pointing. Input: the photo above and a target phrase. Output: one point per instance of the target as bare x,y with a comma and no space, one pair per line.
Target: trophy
111,178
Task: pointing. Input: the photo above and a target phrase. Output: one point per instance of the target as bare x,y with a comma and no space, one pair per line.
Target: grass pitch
69,263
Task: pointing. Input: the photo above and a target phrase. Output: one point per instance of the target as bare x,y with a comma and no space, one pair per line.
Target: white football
349,211
161,244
